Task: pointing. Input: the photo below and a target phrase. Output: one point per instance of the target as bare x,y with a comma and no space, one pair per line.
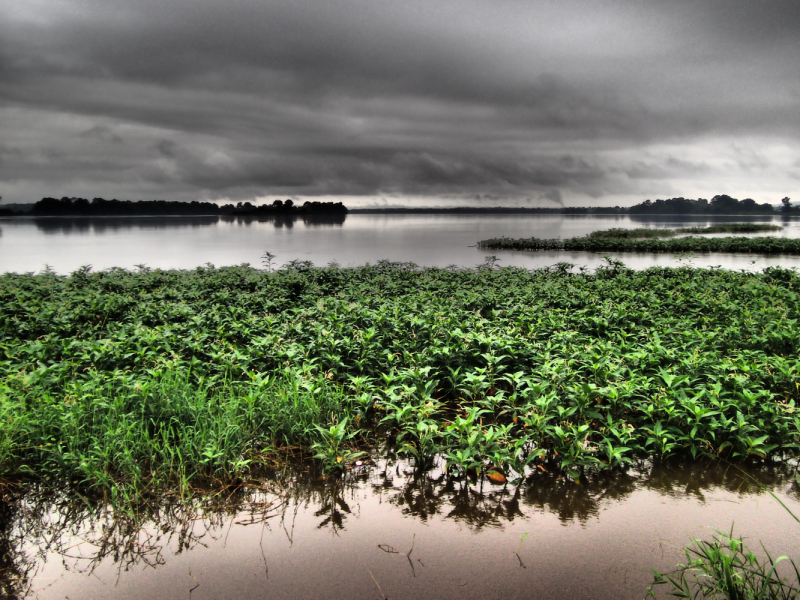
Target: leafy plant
724,568
331,448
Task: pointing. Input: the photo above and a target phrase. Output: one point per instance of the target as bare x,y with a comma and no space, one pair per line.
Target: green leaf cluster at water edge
157,380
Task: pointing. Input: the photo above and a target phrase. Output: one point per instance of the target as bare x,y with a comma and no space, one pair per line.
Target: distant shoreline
720,205
578,211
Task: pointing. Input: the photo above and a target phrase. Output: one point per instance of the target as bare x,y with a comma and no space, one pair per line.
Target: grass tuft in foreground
725,569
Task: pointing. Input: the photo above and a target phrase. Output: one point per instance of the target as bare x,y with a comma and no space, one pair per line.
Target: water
307,538
28,244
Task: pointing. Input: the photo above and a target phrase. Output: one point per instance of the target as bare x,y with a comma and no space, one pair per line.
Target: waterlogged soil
384,532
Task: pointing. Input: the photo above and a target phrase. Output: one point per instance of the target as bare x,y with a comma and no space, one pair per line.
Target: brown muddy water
383,532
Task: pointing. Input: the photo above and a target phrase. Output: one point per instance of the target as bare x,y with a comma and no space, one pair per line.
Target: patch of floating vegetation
732,228
621,233
647,240
130,384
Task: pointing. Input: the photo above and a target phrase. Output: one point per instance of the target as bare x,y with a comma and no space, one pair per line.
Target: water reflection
288,220
111,225
704,220
86,537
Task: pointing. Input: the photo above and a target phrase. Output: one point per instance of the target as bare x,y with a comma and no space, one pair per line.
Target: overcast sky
376,102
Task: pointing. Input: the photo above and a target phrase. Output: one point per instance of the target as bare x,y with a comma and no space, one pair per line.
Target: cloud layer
444,102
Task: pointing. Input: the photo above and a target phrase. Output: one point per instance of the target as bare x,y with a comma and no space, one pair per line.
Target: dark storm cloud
497,100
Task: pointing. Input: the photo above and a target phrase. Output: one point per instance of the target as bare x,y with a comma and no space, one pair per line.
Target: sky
400,103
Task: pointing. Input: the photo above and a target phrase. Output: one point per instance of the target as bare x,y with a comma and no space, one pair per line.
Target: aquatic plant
620,233
617,242
135,382
331,449
732,228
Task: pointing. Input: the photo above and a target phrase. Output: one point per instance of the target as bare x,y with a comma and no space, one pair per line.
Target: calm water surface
351,539
28,244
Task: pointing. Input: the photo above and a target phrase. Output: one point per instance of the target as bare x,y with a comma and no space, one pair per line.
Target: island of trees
71,207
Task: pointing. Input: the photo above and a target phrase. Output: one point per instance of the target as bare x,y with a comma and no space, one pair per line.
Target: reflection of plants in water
86,536
425,494
678,478
334,509
16,566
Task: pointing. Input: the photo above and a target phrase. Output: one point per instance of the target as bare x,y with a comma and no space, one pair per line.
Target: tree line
102,207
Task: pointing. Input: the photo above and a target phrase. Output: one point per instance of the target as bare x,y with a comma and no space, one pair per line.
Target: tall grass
157,433
726,569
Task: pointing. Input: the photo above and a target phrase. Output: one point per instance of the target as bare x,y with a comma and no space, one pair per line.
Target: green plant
724,568
138,382
268,259
681,245
331,448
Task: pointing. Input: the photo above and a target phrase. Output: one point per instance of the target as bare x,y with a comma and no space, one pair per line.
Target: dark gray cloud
489,101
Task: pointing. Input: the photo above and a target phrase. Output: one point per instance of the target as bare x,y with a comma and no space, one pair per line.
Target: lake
383,531
65,244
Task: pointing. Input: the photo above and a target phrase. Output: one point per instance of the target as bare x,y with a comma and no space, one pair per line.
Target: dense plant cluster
619,232
598,243
125,380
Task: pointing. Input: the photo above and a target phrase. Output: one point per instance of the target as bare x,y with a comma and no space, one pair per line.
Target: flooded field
463,352
386,532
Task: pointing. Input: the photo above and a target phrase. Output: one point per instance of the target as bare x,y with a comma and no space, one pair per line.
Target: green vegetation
732,228
629,243
725,569
155,381
619,233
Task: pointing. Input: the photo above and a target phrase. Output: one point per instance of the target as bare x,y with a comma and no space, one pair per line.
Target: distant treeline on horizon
720,204
71,207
